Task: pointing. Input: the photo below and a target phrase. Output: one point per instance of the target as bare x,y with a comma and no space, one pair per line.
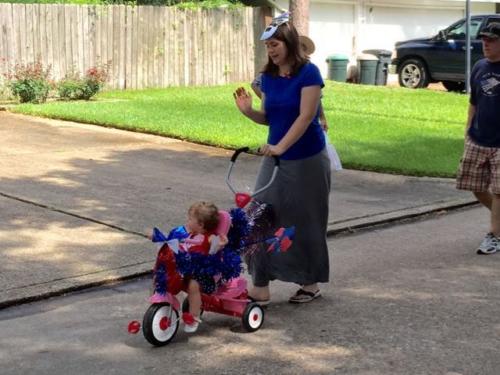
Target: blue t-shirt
485,96
282,106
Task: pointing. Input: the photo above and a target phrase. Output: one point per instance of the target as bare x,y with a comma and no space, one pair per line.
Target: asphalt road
408,299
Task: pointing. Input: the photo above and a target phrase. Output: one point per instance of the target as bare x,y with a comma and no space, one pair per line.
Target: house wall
351,26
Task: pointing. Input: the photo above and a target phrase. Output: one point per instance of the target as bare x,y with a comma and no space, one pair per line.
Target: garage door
332,29
386,25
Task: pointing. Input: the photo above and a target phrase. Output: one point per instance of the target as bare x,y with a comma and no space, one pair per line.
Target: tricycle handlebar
233,160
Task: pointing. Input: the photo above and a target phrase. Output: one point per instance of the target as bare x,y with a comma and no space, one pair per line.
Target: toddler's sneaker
490,245
191,322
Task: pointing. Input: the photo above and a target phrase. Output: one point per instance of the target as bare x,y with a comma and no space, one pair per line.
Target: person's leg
475,174
260,293
316,212
258,261
311,288
484,197
495,215
491,200
491,243
495,193
194,298
192,318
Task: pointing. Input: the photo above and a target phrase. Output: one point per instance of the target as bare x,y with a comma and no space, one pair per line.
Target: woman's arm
322,117
243,101
308,108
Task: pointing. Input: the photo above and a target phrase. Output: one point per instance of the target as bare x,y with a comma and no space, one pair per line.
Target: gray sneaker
490,245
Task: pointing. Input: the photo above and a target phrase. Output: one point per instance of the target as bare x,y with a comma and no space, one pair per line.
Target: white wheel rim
411,75
168,312
255,317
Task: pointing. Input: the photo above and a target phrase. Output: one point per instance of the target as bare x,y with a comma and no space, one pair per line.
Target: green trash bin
337,67
384,60
367,67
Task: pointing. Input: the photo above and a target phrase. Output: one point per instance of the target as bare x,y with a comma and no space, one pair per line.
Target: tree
299,10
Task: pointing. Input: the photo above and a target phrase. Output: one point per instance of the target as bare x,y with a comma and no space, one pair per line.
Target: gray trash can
384,60
367,68
337,67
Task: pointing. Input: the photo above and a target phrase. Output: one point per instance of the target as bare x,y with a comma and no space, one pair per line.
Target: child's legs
194,297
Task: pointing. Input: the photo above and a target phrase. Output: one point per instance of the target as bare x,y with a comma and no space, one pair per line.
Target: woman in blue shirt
291,88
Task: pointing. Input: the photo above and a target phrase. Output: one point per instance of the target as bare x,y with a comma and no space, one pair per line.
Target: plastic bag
335,163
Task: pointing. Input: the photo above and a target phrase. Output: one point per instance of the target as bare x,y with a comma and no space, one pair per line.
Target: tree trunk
299,10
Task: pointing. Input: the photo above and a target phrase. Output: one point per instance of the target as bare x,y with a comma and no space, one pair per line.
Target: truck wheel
413,74
454,86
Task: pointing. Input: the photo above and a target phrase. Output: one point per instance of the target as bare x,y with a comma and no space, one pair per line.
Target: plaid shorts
479,168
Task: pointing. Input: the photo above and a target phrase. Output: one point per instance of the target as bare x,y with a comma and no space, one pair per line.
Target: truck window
457,32
492,19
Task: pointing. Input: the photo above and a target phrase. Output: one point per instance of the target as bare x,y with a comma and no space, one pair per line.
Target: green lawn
412,132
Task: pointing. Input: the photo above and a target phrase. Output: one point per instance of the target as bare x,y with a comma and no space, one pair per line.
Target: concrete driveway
76,200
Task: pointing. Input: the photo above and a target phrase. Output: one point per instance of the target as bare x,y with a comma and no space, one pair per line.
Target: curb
384,218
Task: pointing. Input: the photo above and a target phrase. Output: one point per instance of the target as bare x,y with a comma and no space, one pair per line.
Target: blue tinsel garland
240,228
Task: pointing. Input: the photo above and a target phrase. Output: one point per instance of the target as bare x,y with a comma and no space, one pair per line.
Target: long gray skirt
299,197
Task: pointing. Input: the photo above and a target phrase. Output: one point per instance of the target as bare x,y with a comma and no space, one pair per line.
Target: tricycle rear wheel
253,317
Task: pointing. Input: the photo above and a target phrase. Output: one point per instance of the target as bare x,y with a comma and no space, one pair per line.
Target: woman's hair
288,34
206,213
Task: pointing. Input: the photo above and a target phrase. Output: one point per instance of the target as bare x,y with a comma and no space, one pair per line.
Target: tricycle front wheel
160,324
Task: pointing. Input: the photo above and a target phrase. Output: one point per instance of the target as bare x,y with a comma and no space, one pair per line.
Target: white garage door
332,29
385,25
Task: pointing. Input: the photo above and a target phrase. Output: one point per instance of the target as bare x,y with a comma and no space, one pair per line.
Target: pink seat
224,223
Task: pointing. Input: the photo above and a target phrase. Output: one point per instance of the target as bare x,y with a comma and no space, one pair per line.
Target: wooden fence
145,46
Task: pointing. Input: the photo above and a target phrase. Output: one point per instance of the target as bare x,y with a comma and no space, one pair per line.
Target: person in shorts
479,169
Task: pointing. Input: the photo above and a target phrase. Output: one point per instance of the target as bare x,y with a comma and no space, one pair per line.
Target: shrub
75,87
29,82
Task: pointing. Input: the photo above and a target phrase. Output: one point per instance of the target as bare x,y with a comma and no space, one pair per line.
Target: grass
394,130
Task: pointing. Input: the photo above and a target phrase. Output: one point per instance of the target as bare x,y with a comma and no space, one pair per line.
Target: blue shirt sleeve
312,76
257,81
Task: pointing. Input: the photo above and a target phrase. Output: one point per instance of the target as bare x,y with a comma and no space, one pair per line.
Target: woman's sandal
303,296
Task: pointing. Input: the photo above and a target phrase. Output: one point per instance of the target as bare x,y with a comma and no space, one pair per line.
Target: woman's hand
271,150
243,100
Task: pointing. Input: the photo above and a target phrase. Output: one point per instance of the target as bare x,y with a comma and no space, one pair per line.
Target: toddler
203,219
202,224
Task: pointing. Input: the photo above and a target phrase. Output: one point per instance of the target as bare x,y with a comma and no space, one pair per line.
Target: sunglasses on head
273,26
276,24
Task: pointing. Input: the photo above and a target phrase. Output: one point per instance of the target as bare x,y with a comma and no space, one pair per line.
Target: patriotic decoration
281,241
174,267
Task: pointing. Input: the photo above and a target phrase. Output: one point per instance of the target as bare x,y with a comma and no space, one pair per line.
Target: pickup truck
440,58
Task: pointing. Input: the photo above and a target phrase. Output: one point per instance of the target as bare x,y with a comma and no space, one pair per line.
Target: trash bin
384,60
367,67
337,67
